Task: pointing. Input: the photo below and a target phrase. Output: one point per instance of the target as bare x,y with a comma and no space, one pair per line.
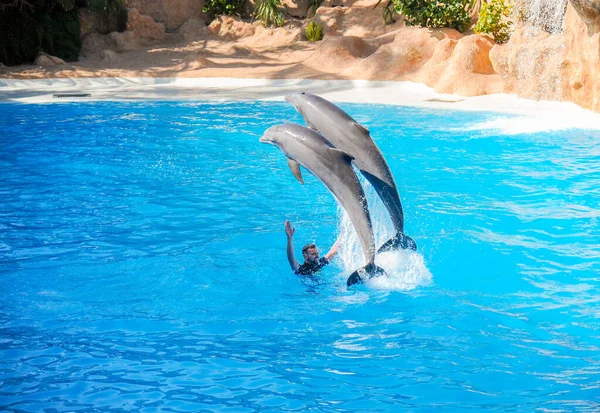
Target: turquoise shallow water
143,268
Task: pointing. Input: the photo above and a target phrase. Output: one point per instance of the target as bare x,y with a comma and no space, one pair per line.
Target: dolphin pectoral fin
367,272
361,128
399,241
295,168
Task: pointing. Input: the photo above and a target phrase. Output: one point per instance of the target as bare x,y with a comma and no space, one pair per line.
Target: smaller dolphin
333,167
346,134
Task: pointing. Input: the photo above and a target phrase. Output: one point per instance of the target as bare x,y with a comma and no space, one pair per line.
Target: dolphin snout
268,136
294,98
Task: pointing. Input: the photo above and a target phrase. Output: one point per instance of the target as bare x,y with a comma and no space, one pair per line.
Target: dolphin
349,136
333,167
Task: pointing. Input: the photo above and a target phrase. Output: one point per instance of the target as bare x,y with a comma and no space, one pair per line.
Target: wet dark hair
307,247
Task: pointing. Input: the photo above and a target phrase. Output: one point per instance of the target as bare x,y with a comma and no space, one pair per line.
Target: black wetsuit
309,268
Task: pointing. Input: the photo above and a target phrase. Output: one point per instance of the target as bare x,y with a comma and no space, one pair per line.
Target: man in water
310,252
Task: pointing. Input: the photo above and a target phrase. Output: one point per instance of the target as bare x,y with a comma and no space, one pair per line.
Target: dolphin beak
288,99
265,139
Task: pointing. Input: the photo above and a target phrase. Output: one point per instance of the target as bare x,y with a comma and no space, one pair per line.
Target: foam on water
517,125
406,269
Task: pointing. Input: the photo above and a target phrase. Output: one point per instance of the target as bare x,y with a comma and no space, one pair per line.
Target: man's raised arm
289,231
334,249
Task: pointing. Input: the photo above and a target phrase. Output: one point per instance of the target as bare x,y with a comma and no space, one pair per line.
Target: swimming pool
143,267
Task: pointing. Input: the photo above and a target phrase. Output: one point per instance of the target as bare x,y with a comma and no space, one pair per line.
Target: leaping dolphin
333,167
349,136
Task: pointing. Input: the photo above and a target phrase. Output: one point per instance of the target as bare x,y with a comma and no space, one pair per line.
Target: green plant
269,13
314,32
427,13
314,5
228,7
494,20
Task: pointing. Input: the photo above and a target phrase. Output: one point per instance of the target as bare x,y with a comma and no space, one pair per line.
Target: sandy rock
565,66
330,20
296,8
363,22
108,56
332,3
468,68
588,10
472,54
172,13
192,29
195,62
338,52
411,48
46,60
580,80
144,27
268,37
94,42
123,42
230,27
530,64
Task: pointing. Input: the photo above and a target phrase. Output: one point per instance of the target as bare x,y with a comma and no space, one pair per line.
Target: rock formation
45,60
171,13
536,63
562,66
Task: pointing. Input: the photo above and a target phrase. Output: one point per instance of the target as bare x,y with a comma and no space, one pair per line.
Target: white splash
517,125
406,269
546,14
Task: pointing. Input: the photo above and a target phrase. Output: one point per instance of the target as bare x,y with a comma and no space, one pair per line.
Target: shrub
427,13
228,7
39,26
269,13
494,20
111,11
314,32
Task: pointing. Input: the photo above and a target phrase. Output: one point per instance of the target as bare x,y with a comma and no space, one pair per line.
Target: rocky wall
563,66
172,13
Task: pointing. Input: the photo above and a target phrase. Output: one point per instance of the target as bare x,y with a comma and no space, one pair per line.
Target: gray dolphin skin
349,136
333,167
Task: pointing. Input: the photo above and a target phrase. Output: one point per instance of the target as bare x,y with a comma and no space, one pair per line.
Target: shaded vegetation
28,27
110,11
227,7
314,5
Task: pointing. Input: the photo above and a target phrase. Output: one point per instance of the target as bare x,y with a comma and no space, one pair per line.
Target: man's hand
289,230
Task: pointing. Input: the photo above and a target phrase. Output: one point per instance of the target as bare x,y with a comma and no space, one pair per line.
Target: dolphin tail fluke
399,241
365,273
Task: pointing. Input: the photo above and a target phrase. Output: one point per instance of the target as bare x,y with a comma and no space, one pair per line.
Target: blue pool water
143,267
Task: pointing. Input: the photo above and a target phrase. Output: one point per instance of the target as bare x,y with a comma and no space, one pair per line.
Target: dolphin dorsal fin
342,154
361,128
295,168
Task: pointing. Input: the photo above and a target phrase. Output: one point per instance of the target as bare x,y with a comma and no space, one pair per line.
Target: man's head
310,252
